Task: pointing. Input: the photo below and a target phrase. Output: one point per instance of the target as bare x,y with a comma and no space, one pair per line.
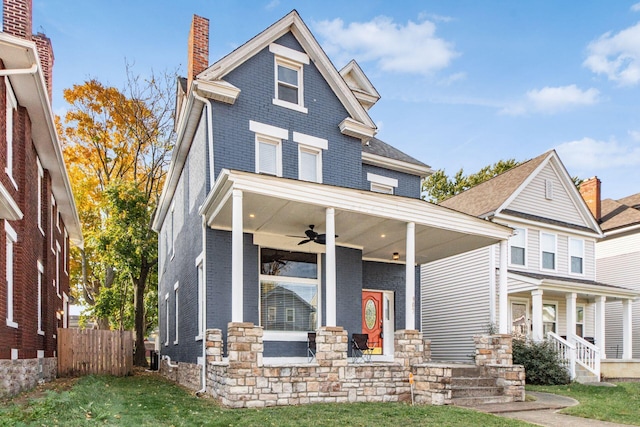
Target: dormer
360,85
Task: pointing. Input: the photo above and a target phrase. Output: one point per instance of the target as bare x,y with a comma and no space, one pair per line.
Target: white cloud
635,7
635,135
411,48
617,55
549,100
434,17
588,154
272,4
447,81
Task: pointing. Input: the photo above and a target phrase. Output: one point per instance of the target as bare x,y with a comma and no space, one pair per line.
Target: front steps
583,375
470,386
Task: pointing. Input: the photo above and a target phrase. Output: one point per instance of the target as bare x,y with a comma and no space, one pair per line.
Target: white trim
289,105
40,183
584,315
296,66
557,321
569,256
52,211
14,354
555,252
57,252
166,309
40,294
527,304
383,180
317,153
537,224
65,253
381,188
357,129
201,295
268,130
397,165
172,236
217,90
410,277
175,304
311,141
9,209
288,53
284,335
525,247
277,143
10,240
11,110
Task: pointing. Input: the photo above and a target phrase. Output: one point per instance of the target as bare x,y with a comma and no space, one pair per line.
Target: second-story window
517,247
310,156
289,81
382,184
268,141
548,249
576,256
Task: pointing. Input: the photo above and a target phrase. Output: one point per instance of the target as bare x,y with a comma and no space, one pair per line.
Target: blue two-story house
282,209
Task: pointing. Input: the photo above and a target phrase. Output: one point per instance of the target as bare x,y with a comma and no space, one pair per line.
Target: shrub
541,362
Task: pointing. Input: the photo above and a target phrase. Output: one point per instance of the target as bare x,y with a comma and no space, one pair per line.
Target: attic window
289,81
382,184
548,189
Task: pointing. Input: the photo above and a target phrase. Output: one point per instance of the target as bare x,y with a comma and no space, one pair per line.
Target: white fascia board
537,224
621,230
357,129
379,179
31,93
559,285
311,141
268,130
292,22
405,209
217,90
397,165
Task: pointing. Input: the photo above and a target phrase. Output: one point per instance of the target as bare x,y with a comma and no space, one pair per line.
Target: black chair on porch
311,346
360,350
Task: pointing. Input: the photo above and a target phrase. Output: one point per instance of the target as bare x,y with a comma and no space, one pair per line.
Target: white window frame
382,184
527,304
172,233
65,253
201,297
267,134
310,145
58,270
53,210
292,311
584,314
556,321
40,183
10,241
555,252
40,279
571,255
526,236
11,110
295,60
166,311
175,303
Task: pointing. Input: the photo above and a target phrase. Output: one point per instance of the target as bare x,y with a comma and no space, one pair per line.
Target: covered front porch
365,241
570,312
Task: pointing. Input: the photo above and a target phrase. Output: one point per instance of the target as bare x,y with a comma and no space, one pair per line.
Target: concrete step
473,382
476,391
485,400
467,372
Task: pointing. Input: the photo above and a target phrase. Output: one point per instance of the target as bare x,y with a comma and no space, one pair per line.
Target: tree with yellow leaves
117,146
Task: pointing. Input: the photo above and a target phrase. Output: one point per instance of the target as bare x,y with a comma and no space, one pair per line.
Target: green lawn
619,404
148,400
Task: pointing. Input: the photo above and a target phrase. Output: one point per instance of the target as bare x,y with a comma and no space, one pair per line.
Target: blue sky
463,83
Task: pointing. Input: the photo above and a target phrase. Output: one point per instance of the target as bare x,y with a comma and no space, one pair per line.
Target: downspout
168,359
13,72
203,381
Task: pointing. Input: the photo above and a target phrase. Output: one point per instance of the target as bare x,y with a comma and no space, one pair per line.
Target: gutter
12,72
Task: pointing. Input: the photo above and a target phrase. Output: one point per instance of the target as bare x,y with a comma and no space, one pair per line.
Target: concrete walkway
542,411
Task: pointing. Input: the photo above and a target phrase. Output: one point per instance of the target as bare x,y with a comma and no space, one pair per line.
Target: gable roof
487,197
360,84
493,197
622,213
292,22
379,153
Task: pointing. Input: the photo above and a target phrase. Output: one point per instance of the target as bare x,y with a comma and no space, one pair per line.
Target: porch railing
575,350
566,351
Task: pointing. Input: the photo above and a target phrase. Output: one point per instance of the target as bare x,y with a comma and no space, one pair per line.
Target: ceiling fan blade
305,241
299,237
311,234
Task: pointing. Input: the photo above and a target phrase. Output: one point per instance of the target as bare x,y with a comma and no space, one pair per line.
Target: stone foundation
243,381
24,374
188,375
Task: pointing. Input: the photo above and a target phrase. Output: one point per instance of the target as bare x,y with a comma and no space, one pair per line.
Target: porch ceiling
276,208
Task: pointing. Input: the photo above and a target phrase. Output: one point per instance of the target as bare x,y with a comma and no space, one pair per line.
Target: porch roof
571,284
277,211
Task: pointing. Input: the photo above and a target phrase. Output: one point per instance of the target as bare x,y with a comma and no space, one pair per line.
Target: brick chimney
590,191
45,53
17,18
198,55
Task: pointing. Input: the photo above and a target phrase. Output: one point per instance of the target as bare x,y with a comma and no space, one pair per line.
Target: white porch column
492,284
537,333
627,315
600,315
237,273
503,300
410,273
571,314
331,266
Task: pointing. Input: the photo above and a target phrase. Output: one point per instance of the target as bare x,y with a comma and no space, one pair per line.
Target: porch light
396,256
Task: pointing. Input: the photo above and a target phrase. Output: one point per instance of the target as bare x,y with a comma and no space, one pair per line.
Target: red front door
372,317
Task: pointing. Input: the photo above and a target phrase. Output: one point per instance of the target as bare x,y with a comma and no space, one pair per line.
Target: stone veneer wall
23,374
494,352
188,375
243,381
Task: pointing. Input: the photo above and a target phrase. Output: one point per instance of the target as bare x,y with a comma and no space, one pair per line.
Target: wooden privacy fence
93,351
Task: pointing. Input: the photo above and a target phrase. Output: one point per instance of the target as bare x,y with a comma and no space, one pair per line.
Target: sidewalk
542,411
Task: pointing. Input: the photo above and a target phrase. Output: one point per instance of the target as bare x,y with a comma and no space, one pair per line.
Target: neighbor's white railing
566,350
587,354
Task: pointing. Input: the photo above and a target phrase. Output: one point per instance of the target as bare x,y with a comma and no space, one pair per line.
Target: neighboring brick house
550,289
277,182
618,261
39,218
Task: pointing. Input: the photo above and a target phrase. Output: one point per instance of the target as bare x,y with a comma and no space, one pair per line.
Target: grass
619,404
148,400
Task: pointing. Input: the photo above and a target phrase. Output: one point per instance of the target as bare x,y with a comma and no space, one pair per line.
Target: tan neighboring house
549,290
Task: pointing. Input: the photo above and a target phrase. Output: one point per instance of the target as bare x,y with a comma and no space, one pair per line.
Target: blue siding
408,185
234,142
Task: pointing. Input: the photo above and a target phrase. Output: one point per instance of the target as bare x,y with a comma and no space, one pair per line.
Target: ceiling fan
312,236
